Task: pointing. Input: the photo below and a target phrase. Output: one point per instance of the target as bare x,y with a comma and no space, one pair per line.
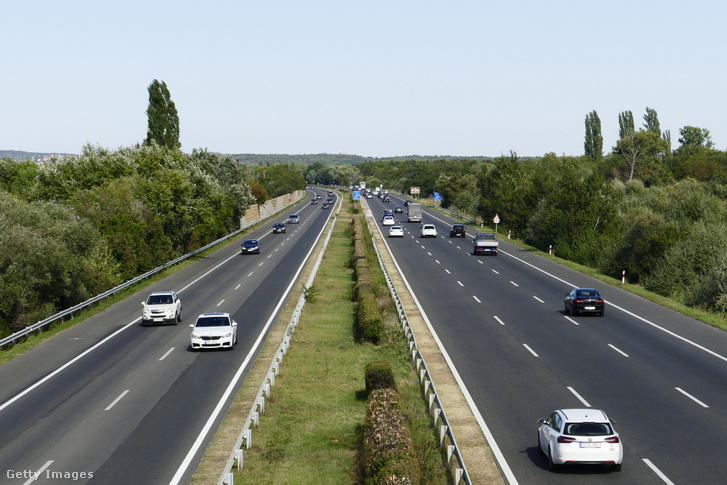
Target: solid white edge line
691,397
502,463
585,403
218,409
530,350
165,355
38,473
121,396
618,350
657,471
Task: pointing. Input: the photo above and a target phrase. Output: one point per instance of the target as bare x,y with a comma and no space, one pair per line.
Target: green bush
379,375
369,325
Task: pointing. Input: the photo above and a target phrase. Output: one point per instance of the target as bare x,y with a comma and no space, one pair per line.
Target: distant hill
20,156
333,159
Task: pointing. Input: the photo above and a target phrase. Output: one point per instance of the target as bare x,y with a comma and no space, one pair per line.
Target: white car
579,437
389,221
429,230
396,231
161,307
293,219
213,330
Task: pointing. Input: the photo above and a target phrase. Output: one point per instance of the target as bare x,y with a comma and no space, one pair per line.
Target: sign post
496,220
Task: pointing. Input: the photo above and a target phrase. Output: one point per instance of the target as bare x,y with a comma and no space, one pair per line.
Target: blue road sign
356,194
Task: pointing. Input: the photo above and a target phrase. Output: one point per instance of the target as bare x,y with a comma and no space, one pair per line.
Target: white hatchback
396,231
428,230
579,437
389,221
213,331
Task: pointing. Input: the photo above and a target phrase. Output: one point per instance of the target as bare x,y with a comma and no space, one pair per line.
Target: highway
110,401
657,373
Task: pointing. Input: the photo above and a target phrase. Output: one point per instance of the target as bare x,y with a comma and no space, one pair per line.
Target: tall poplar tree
594,138
163,126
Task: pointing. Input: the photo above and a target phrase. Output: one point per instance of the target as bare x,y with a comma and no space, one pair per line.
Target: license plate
590,308
158,319
590,445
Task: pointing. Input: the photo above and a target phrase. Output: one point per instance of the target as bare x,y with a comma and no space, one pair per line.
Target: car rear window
588,429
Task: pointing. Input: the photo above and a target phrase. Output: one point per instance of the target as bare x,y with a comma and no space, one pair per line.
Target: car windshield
160,300
213,322
251,242
588,429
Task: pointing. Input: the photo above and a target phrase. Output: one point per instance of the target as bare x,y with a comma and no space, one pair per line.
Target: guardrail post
458,472
256,418
261,404
442,433
228,479
238,458
436,414
450,452
248,438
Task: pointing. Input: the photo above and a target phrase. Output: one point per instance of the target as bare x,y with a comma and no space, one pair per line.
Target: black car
251,246
584,300
278,227
398,210
457,230
325,205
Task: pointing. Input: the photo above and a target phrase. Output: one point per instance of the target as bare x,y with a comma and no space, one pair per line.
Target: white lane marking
249,274
494,271
165,355
585,403
460,283
221,302
447,271
437,261
37,474
429,253
238,286
691,397
479,260
530,350
260,264
618,350
476,299
270,256
498,319
657,471
116,400
514,284
541,301
459,247
572,321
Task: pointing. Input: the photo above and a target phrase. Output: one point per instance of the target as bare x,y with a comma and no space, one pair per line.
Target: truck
485,243
414,212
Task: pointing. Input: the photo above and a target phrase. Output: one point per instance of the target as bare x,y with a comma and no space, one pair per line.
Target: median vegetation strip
313,427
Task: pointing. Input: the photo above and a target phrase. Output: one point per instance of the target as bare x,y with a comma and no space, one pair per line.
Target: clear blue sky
371,78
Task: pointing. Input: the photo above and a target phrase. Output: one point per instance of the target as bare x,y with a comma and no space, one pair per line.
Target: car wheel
616,468
572,311
540,448
179,316
551,466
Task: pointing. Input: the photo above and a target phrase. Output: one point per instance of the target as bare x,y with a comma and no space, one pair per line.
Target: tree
693,140
651,121
163,127
625,124
594,139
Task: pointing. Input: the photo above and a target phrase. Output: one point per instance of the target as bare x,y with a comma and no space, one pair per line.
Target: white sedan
389,221
396,231
428,230
213,330
579,437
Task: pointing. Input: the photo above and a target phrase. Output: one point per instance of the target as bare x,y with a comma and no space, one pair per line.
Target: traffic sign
356,195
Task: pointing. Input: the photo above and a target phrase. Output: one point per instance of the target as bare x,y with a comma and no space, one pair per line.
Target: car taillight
565,439
612,439
599,300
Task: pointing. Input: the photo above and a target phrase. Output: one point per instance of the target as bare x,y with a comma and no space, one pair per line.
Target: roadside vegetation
345,408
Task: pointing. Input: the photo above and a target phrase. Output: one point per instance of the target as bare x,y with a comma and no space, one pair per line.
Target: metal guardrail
258,406
70,312
425,379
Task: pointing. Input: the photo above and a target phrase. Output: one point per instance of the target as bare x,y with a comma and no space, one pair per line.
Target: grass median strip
311,430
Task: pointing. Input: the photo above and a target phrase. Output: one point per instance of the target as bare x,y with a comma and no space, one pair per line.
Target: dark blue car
250,246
